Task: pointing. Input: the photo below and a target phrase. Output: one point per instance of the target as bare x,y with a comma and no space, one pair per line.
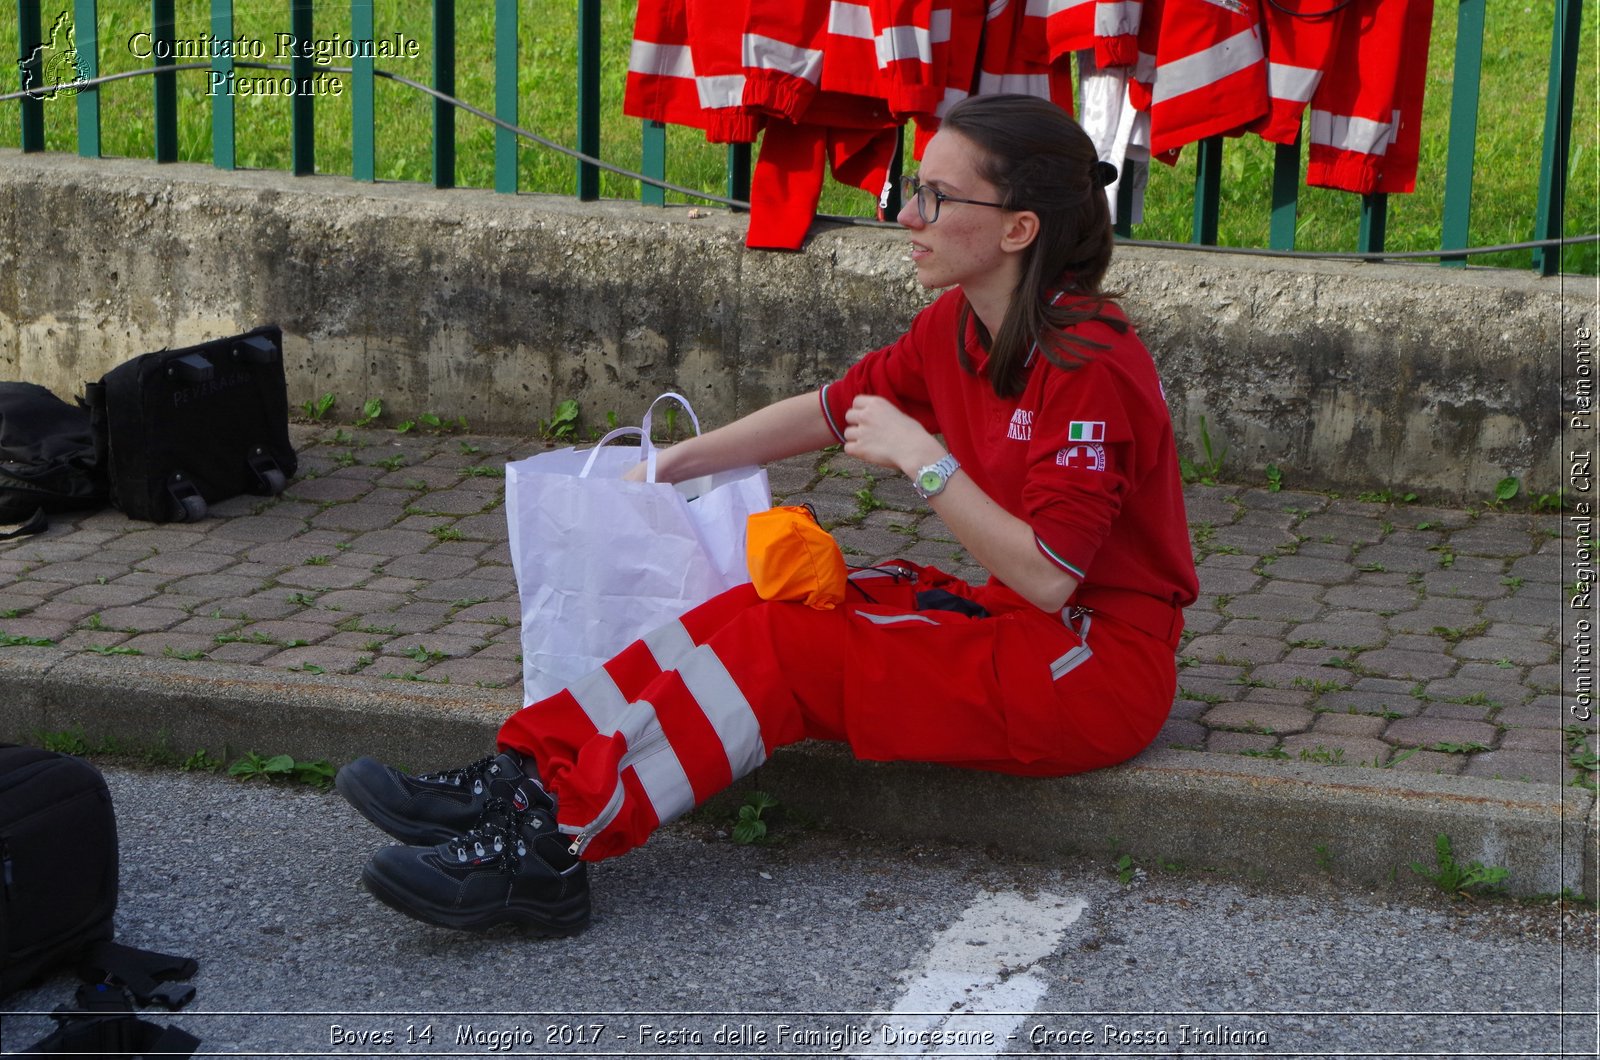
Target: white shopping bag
600,562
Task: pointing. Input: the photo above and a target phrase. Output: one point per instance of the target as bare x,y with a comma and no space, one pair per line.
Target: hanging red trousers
699,703
1366,115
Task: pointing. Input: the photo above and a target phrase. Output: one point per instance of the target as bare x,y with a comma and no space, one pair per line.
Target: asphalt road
823,945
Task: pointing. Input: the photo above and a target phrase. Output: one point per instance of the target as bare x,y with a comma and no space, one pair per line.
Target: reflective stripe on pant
678,716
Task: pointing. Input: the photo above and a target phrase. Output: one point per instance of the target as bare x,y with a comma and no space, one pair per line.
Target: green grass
1511,117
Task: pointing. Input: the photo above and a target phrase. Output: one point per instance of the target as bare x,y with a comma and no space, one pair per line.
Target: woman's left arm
879,433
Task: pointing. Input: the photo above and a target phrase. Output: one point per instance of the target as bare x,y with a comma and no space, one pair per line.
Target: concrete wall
495,308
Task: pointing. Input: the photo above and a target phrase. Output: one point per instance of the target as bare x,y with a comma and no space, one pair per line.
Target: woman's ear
1021,230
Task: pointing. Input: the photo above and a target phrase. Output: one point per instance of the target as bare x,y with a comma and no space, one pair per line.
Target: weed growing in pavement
1274,478
391,463
1459,880
1209,469
1322,756
867,501
562,424
1581,758
199,762
317,561
1468,748
112,649
1271,752
1325,857
318,408
1506,490
1317,687
750,823
252,766
193,655
446,533
1399,757
371,409
71,741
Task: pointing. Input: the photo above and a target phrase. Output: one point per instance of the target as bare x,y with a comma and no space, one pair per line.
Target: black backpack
58,861
58,894
47,458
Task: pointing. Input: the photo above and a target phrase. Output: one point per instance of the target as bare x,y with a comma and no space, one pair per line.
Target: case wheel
275,481
194,508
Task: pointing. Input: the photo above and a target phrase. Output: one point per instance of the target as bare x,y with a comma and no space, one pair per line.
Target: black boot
431,807
514,868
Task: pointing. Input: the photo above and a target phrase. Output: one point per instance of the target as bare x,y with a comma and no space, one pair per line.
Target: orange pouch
791,557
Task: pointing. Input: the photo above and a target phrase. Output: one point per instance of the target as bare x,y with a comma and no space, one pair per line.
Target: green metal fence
300,20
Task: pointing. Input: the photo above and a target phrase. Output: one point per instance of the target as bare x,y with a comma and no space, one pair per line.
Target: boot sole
367,805
561,924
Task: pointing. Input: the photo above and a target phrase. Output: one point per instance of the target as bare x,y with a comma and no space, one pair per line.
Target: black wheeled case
179,430
58,863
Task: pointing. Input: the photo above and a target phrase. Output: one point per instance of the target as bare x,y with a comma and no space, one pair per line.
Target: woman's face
964,245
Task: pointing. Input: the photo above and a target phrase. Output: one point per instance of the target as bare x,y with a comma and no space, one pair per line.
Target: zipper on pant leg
583,835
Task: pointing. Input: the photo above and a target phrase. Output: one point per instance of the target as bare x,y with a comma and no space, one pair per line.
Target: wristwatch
931,480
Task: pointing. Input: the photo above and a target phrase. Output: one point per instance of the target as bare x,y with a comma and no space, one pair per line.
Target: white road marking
978,978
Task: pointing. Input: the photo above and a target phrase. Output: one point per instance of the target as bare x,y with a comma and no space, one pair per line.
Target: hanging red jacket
1202,70
957,34
781,47
1116,32
1299,37
1366,115
684,68
1013,57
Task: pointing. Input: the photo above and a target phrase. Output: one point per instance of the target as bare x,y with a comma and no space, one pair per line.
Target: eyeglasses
930,198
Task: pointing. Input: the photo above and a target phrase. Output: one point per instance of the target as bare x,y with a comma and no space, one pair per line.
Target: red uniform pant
680,715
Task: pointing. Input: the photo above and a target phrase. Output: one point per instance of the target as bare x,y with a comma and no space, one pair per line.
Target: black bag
178,430
58,863
47,457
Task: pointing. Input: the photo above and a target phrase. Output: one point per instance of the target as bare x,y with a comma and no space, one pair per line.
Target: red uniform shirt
1085,457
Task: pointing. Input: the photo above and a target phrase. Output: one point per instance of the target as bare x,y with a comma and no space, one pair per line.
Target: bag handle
643,432
588,465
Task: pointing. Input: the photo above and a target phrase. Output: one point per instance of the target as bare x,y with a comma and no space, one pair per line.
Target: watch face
931,480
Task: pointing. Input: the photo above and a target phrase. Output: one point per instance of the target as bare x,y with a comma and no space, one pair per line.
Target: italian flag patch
1086,431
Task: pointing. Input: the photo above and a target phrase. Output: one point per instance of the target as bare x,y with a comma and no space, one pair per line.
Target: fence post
363,113
739,172
1207,191
1457,227
444,80
1374,223
653,161
505,95
1548,221
304,116
223,154
1124,226
588,97
1285,195
84,14
162,32
31,62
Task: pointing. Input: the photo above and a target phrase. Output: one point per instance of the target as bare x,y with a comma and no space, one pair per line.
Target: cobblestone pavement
1367,632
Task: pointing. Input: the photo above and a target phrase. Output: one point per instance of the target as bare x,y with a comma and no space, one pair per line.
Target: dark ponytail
1039,159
